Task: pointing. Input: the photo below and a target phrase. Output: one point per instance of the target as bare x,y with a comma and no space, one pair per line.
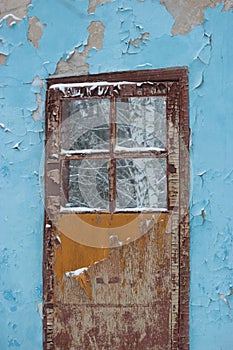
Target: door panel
123,299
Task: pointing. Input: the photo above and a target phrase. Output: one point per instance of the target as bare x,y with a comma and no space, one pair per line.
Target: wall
40,38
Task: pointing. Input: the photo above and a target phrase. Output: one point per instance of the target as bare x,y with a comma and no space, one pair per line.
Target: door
116,245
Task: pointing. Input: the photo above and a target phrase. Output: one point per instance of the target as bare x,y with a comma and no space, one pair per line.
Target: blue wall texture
134,35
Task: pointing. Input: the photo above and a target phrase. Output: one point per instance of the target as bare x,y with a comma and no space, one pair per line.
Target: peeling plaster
13,10
224,297
37,114
76,61
228,5
189,13
38,88
94,3
35,30
2,59
54,175
136,43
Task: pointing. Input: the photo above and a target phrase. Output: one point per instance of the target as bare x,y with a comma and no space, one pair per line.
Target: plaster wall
38,39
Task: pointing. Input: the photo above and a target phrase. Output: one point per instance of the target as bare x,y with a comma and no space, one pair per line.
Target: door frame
180,249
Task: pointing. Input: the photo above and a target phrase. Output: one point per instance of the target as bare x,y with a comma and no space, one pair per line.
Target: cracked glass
131,125
85,124
141,183
88,184
141,122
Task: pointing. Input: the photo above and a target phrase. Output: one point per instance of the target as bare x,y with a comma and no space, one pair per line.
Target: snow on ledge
94,85
117,210
83,151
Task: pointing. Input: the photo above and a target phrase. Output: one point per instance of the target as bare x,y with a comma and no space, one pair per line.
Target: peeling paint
2,59
189,13
133,44
228,5
38,88
224,297
40,309
54,175
126,268
76,63
37,114
35,30
94,3
13,10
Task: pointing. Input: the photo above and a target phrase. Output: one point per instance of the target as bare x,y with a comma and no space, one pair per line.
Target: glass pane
141,183
141,122
88,184
85,124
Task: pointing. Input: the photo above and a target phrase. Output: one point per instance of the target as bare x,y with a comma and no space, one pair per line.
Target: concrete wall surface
41,38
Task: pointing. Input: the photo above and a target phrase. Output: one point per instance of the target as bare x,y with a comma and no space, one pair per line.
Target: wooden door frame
180,253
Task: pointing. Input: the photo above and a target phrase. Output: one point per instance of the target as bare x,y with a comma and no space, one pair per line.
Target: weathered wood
136,295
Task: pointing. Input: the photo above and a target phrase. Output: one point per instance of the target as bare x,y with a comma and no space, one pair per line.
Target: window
115,141
117,149
117,152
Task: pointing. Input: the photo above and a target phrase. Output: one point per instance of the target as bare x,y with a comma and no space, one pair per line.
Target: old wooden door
116,245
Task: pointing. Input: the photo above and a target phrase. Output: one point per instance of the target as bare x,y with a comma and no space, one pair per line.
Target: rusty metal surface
135,296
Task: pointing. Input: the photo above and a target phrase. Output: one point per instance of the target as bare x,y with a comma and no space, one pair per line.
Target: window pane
141,183
141,122
85,124
88,184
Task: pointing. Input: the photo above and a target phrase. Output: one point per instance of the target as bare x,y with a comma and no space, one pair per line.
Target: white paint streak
76,273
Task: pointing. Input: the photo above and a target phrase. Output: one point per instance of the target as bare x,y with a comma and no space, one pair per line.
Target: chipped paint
76,62
188,13
13,10
206,49
94,3
35,30
38,87
2,59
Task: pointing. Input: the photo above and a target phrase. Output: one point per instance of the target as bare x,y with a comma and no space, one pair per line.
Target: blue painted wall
207,50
